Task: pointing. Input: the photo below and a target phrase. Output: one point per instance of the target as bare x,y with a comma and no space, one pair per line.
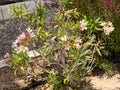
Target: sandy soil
105,82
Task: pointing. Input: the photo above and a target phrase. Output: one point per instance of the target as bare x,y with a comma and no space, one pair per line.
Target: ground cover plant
74,42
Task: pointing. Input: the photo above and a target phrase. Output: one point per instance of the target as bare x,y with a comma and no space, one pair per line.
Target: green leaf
97,20
98,51
15,72
85,53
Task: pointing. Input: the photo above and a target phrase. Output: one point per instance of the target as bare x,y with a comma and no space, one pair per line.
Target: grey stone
1,16
5,9
30,5
5,12
33,53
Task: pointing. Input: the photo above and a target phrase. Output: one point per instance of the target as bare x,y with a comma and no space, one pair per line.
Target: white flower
77,45
30,32
7,55
108,30
103,24
64,38
83,25
106,24
107,27
14,44
79,40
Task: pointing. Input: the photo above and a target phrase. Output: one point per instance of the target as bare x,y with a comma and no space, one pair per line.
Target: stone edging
5,11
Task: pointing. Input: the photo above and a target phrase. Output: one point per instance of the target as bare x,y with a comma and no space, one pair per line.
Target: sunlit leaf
98,50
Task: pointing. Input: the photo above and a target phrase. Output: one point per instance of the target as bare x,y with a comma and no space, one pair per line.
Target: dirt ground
7,80
104,82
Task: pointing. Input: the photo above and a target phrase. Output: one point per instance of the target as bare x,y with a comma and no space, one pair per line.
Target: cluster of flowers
107,27
77,43
22,41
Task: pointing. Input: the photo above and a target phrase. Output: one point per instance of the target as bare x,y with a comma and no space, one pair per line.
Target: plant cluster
106,10
74,42
19,57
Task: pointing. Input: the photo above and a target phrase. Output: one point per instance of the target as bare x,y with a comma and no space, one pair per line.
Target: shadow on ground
7,79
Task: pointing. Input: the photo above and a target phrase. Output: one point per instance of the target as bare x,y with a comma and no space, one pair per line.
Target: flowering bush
19,58
76,47
73,43
106,10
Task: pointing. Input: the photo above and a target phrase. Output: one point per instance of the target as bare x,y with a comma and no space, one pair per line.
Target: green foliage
72,63
37,18
18,11
58,82
66,3
19,62
52,79
99,8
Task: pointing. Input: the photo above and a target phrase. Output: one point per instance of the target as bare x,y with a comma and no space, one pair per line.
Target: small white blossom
107,27
106,24
108,30
78,46
77,43
79,40
30,32
64,38
14,44
7,55
83,25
